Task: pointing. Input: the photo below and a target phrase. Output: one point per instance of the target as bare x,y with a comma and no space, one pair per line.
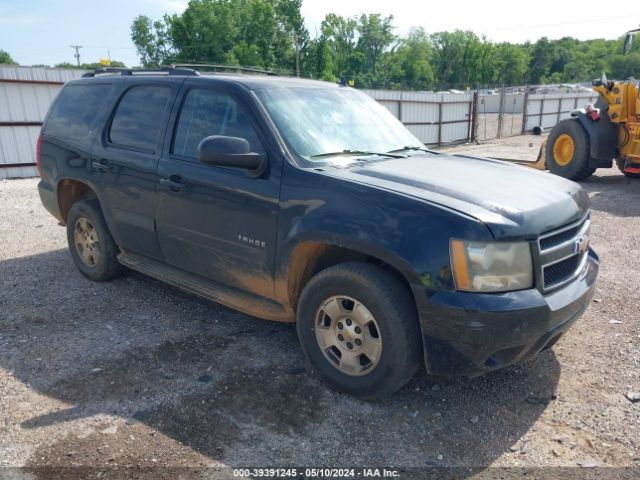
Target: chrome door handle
173,183
101,166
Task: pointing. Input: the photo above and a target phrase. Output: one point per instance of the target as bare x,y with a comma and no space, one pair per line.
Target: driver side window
206,112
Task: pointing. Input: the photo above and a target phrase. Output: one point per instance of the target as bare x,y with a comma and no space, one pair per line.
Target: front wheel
359,330
568,150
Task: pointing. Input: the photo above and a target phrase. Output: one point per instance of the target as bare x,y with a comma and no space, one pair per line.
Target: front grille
558,238
562,254
558,272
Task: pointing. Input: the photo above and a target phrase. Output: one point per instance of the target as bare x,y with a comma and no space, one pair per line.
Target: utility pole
77,54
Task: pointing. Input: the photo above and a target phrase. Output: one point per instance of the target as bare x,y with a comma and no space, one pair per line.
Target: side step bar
202,287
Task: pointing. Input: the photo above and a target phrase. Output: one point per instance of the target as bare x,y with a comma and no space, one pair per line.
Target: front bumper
472,333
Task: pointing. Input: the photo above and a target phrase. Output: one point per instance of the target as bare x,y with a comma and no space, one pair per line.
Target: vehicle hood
512,200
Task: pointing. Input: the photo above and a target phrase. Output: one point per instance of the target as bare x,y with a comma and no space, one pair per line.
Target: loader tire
568,150
620,164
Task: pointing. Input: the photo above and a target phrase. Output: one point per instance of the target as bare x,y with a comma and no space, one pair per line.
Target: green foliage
151,40
266,33
509,65
375,36
6,59
90,66
415,53
260,33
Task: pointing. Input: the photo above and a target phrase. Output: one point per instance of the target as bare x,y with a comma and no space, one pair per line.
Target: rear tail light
38,146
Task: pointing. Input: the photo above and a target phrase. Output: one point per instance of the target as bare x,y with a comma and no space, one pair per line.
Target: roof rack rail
234,68
169,70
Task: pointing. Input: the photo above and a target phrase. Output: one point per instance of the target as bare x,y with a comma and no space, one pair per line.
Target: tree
271,34
257,27
354,48
375,37
6,59
151,40
260,33
410,65
292,34
541,60
461,59
510,64
626,66
337,40
90,66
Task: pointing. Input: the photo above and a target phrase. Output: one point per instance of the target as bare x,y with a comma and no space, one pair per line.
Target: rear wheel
568,150
91,245
620,162
359,330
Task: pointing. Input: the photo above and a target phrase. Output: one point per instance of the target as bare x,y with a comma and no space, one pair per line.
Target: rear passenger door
69,133
215,221
125,159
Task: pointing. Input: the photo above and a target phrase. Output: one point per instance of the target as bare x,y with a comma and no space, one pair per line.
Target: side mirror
628,41
230,152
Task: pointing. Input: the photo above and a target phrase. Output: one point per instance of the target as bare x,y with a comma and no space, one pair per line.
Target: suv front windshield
321,123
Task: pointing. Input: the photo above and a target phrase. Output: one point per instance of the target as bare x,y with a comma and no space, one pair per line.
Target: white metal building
434,118
25,96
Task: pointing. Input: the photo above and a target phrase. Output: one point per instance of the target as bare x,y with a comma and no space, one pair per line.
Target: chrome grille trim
563,250
573,276
586,219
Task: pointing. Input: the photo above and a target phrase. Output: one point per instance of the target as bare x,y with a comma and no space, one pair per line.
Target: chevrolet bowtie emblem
581,245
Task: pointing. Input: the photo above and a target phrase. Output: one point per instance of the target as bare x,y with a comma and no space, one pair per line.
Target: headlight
491,266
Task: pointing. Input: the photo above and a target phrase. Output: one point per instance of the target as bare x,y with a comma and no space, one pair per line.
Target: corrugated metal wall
513,103
38,74
25,96
435,118
25,102
18,145
545,110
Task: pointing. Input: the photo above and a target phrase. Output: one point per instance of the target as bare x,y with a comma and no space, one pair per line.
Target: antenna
77,54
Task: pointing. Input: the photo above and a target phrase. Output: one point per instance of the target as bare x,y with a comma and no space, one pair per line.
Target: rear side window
75,109
138,117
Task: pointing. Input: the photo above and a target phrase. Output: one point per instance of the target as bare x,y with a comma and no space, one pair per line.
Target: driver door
213,221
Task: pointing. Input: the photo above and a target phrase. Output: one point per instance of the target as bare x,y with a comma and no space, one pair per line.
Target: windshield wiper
356,152
409,148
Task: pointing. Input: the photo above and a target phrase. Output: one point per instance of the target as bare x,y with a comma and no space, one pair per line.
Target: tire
620,163
575,164
394,321
91,245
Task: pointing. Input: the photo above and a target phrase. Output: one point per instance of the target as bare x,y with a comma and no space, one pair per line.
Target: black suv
308,202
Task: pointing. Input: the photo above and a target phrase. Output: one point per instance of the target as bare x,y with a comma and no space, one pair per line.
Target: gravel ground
135,373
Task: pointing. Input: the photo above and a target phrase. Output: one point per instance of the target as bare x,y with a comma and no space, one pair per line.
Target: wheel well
310,258
70,192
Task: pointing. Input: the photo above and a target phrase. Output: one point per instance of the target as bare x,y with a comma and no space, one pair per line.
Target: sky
41,31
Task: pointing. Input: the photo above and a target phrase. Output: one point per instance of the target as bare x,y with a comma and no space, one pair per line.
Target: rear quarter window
75,109
138,118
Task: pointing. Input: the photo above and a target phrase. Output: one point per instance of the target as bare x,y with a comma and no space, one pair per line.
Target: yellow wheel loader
595,136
